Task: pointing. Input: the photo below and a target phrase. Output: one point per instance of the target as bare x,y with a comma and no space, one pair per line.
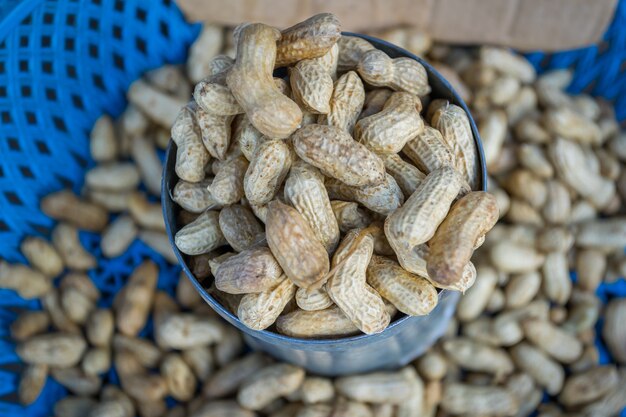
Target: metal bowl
404,339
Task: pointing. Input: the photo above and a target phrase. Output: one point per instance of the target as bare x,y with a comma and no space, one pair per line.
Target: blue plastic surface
64,62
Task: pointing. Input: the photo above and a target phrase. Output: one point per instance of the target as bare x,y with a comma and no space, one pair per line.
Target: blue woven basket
64,62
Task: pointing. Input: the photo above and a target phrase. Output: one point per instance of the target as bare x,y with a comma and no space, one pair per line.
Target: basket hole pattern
62,64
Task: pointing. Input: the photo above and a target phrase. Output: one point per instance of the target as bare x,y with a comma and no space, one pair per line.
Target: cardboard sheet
546,25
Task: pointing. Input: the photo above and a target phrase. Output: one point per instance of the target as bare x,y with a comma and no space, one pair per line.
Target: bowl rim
274,337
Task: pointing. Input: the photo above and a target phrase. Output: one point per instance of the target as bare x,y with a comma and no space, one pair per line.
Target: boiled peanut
428,150
201,236
250,81
336,154
251,271
346,102
132,304
240,227
191,155
66,206
400,74
554,341
227,186
268,384
383,198
55,349
228,379
27,282
267,171
311,38
260,310
378,387
294,244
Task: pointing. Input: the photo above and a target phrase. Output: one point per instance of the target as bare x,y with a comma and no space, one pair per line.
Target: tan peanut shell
351,49
314,390
66,241
569,161
454,126
346,102
32,381
159,106
214,97
294,244
117,176
311,86
474,301
259,311
251,271
602,233
378,387
191,155
305,191
132,304
416,221
311,38
228,379
42,256
222,408
313,300
534,158
509,63
349,215
178,376
118,236
66,206
478,357
400,74
554,341
240,227
322,324
144,153
382,198
76,381
525,185
546,372
411,294
348,288
557,285
145,352
55,349
428,150
194,197
52,304
160,243
268,384
147,215
203,59
200,236
215,131
250,80
246,136
29,323
337,155
407,176
588,386
375,101
461,398
103,145
227,186
389,130
453,243
187,330
613,329
267,171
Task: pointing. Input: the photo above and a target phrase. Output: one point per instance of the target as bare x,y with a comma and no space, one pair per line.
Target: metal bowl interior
440,89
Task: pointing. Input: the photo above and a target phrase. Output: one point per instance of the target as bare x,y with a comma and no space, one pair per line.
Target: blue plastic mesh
64,62
599,70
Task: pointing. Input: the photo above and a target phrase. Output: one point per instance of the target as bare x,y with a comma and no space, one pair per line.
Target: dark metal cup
404,339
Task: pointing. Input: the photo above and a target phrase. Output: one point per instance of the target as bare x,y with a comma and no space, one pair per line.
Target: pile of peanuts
311,198
521,331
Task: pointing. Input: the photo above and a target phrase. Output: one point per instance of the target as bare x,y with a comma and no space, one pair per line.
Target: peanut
214,97
228,379
400,74
154,103
102,142
557,285
348,288
66,206
250,81
227,186
132,304
407,176
553,340
251,271
200,360
351,50
474,301
382,198
321,324
76,381
178,376
417,219
260,310
202,53
59,349
349,215
118,236
453,244
267,171
390,129
32,381
96,361
194,197
346,102
477,357
117,176
463,398
215,131
428,151
454,126
546,372
378,387
305,191
201,236
268,384
292,241
337,155
411,294
313,301
588,386
311,38
191,155
311,85
185,331
240,227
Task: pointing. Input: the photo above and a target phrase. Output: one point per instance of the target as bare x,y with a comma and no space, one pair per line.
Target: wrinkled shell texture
314,164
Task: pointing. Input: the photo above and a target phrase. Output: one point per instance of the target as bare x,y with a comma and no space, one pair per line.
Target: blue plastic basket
64,62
